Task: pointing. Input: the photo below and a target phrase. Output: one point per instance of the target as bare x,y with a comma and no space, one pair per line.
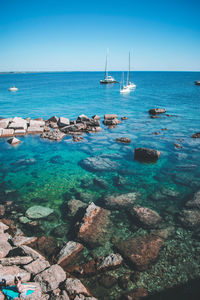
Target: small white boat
130,84
107,78
197,82
13,89
124,89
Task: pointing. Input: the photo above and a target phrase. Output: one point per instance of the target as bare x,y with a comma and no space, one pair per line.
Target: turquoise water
49,173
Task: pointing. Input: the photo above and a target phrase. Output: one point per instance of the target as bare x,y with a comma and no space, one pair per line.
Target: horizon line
70,71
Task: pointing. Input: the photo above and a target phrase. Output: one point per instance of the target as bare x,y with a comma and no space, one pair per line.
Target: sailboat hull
197,82
107,82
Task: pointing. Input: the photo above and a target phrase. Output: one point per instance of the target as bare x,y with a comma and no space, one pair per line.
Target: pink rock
10,272
110,262
37,266
68,253
5,247
23,240
75,287
18,260
145,215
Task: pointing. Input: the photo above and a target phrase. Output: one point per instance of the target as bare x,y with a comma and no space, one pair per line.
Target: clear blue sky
74,35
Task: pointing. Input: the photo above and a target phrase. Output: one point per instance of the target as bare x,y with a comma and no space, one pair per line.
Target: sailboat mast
106,66
128,76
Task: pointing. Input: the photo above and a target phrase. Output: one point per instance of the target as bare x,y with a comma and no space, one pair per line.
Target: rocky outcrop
68,253
145,216
155,111
196,135
94,225
99,164
109,262
123,140
140,251
111,119
146,154
38,212
55,135
121,201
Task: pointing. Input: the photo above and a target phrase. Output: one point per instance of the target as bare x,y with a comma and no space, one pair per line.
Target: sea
49,173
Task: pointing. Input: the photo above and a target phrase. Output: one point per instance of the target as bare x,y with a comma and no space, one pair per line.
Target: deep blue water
54,174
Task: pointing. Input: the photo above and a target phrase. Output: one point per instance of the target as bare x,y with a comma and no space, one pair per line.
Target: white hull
124,90
131,85
13,89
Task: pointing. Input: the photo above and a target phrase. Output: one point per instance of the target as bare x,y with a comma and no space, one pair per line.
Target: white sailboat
13,89
107,78
124,89
130,84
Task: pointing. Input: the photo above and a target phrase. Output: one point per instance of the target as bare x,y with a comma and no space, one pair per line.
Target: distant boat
107,78
197,82
124,89
13,89
130,84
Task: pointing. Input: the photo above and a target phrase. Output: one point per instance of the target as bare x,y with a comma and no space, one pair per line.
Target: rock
196,135
99,164
195,202
37,123
68,253
2,212
3,227
94,225
9,273
140,251
74,206
37,294
123,281
38,212
5,247
46,129
77,138
53,119
7,132
176,145
137,294
25,250
110,262
23,240
83,118
20,132
73,286
108,281
55,135
37,266
190,218
35,130
124,140
18,125
4,123
146,216
146,155
124,118
110,122
155,111
121,201
63,122
96,117
75,128
164,233
51,278
18,260
46,245
110,117
100,182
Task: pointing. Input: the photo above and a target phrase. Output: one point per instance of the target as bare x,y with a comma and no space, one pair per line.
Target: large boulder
38,212
7,132
140,251
18,260
37,266
145,216
55,135
37,123
121,201
190,218
63,122
74,287
51,278
14,141
9,273
99,164
94,225
155,111
146,154
20,240
5,246
68,253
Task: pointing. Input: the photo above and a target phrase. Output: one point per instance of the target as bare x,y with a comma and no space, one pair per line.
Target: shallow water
50,173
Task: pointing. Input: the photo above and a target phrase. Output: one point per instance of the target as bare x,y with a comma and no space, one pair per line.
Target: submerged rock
55,135
68,253
14,141
190,218
5,247
38,212
74,287
196,135
94,225
155,111
98,163
124,140
146,216
141,251
195,202
110,262
107,281
146,154
121,201
74,206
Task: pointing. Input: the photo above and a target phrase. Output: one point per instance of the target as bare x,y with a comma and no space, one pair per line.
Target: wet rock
60,230
137,294
164,233
110,262
108,281
110,122
38,212
155,111
5,247
100,182
94,225
77,138
74,206
146,216
96,117
68,253
14,141
120,181
20,240
196,135
46,245
124,140
146,155
190,218
35,130
37,123
25,250
53,119
51,278
178,146
63,122
124,118
9,273
195,202
55,135
110,117
140,251
18,260
20,132
37,266
4,123
74,286
74,128
121,201
99,164
83,118
7,132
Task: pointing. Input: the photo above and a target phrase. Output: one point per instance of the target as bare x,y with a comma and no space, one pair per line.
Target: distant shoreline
36,72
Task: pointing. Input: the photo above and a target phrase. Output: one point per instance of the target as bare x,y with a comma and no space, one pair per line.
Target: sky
62,35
